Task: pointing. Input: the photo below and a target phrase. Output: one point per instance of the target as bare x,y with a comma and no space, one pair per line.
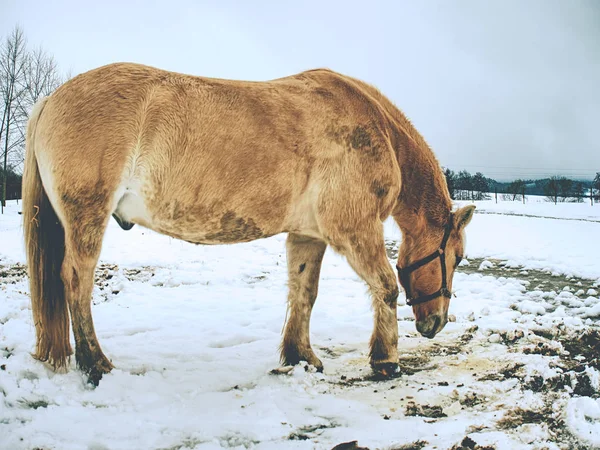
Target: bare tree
552,189
517,190
559,188
25,77
566,188
41,77
13,64
577,192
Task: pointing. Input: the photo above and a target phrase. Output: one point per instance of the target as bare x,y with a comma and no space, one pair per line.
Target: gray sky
509,88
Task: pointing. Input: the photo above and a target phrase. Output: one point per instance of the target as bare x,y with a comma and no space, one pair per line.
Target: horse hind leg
84,230
304,257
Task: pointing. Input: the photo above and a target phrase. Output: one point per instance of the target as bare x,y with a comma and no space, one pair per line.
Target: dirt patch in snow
11,274
534,279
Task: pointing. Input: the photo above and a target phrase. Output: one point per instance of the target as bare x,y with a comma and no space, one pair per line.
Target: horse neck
424,196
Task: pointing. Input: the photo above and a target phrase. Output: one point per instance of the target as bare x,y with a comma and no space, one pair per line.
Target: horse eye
458,260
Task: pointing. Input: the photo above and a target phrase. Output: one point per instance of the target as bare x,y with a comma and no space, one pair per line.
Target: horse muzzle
432,325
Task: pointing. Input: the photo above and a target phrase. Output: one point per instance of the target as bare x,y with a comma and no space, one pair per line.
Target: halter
404,274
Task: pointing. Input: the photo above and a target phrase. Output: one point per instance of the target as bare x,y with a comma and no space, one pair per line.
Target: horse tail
45,247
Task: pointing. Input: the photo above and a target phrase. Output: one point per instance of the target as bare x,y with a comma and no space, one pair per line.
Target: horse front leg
365,251
304,257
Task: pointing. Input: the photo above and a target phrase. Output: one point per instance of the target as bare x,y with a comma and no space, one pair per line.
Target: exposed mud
553,420
433,411
534,279
311,431
574,356
107,279
11,274
469,444
353,445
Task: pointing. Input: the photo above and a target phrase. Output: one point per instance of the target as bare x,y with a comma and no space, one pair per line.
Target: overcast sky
509,88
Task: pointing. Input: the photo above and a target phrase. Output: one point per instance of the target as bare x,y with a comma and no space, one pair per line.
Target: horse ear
464,216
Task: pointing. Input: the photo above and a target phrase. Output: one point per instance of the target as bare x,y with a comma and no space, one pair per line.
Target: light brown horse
321,156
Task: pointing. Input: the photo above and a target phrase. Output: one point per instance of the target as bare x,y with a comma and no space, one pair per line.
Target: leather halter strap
404,273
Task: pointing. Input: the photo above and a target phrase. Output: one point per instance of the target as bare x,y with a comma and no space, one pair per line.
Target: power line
546,169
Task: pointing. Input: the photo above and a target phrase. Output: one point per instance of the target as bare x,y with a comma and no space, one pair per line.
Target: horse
321,156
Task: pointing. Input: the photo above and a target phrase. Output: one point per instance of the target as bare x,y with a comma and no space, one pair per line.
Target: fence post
523,193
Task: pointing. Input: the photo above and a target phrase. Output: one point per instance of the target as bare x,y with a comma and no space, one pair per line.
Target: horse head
427,259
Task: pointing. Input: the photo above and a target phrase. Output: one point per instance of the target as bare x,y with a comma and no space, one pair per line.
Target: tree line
464,186
26,75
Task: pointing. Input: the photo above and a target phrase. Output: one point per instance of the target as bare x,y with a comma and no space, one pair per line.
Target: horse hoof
292,357
96,371
386,370
94,377
288,368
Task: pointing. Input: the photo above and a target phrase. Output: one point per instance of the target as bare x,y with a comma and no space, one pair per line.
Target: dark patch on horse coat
74,280
323,92
392,291
391,298
360,138
235,229
302,267
337,134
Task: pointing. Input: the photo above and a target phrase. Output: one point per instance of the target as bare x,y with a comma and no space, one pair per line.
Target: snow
529,307
486,265
193,332
592,311
583,419
537,206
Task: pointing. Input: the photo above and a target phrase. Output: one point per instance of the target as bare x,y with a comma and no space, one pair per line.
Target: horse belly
196,222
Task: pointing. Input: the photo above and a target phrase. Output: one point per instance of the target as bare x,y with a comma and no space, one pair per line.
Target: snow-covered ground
193,332
538,206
